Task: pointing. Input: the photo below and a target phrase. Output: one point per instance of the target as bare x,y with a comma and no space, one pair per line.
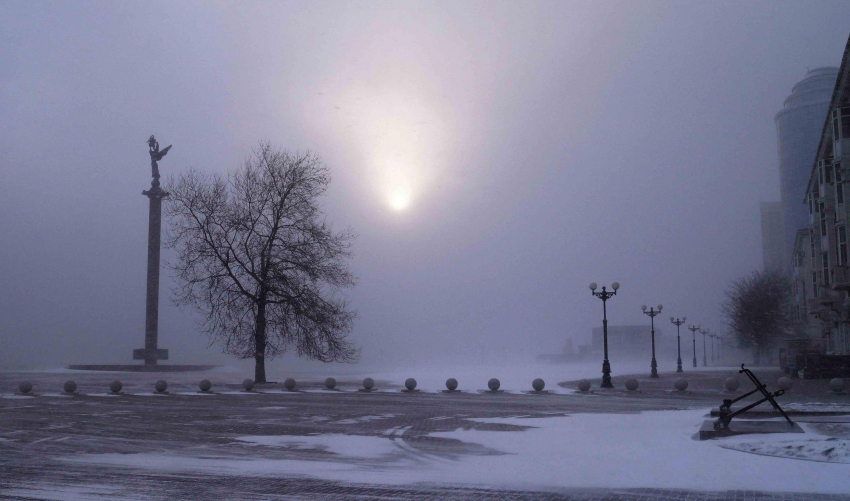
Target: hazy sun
404,135
399,199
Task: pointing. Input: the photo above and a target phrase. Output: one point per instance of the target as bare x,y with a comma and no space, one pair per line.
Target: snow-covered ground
807,447
650,449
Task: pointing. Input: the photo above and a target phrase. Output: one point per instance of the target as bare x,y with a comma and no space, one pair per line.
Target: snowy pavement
393,445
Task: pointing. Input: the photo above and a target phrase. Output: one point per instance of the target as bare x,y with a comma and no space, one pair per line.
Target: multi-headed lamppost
704,358
694,329
678,323
652,313
604,296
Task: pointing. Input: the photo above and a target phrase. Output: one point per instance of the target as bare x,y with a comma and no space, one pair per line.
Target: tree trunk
260,345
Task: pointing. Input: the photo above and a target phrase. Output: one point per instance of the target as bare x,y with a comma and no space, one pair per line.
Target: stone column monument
151,353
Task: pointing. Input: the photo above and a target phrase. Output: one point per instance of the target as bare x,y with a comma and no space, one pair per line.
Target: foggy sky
542,146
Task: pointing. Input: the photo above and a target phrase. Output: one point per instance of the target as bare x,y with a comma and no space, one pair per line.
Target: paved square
315,444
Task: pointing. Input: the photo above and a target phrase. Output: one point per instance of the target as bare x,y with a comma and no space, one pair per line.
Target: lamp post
678,323
694,329
704,359
652,313
604,296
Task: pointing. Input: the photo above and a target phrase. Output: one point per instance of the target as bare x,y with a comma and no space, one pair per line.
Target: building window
812,242
840,123
835,130
815,292
845,123
839,185
827,173
822,219
825,262
820,174
811,203
841,238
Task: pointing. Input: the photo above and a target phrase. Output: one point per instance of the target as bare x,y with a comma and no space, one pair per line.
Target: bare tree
758,308
256,256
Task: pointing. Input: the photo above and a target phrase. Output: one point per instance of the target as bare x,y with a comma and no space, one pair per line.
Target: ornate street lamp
604,296
678,323
652,313
704,359
694,329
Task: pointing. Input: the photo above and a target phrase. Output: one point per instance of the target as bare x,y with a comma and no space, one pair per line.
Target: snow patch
352,446
817,448
364,419
611,450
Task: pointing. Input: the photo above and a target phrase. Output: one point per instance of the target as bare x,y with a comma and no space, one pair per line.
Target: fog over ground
535,147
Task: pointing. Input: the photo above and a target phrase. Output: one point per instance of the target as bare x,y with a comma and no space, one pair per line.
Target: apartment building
822,270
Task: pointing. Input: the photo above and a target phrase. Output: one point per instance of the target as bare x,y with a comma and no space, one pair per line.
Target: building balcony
829,297
815,307
841,279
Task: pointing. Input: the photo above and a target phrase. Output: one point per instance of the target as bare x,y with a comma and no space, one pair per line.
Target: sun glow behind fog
399,200
404,138
398,178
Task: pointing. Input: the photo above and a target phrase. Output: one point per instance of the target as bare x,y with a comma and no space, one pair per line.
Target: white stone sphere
584,385
538,384
247,384
681,384
115,386
451,384
205,385
785,383
632,384
410,383
837,385
289,384
493,384
330,383
160,385
70,386
25,387
368,383
732,383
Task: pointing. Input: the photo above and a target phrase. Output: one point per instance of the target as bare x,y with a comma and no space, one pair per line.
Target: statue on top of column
156,156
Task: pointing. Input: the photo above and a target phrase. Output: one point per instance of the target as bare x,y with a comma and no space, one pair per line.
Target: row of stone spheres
205,386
